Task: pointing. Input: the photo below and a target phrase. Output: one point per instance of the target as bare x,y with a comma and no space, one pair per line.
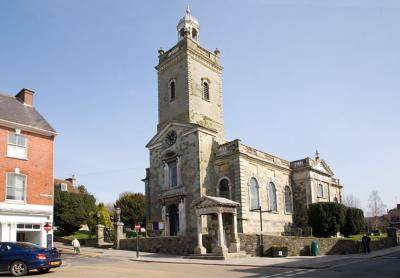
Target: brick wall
38,167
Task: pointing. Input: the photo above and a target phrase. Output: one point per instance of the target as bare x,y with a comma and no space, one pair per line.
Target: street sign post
137,229
49,239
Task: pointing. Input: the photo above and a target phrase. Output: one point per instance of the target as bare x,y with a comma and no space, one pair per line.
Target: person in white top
76,245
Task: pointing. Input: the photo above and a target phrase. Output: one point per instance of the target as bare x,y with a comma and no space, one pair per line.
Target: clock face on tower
170,139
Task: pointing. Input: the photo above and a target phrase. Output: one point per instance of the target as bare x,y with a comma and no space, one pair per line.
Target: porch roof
210,201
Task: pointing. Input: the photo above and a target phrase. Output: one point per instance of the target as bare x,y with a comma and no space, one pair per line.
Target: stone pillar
166,175
182,217
200,248
178,171
235,244
164,219
221,248
118,233
100,235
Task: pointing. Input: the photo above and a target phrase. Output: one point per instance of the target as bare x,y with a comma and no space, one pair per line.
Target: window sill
288,213
19,158
15,202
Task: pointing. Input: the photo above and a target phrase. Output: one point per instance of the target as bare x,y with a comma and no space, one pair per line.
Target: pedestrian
76,245
365,242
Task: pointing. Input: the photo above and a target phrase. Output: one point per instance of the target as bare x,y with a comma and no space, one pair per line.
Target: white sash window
17,146
16,185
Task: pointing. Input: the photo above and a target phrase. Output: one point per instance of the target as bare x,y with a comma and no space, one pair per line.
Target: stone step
213,256
208,256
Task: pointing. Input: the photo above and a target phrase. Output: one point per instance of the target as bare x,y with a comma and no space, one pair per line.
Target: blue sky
305,75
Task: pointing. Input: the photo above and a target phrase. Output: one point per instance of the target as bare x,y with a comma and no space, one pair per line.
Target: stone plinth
118,233
100,235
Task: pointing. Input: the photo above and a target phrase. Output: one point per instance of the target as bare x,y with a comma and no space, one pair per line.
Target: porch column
235,244
164,219
200,248
221,248
182,217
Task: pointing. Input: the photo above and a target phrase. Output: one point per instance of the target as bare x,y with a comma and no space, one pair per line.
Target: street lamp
261,228
98,217
118,212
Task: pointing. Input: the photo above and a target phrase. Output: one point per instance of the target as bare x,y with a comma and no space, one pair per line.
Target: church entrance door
173,217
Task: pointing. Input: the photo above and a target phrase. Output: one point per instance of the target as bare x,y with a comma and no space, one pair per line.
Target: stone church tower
190,125
190,157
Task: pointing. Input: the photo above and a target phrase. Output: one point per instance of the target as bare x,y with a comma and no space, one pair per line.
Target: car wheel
18,268
43,269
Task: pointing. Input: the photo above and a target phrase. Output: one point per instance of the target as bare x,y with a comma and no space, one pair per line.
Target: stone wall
300,246
297,246
181,245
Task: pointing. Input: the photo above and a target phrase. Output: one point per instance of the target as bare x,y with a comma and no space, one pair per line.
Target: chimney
25,96
72,180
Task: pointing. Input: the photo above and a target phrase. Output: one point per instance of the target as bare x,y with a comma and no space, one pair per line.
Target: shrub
104,218
354,222
326,219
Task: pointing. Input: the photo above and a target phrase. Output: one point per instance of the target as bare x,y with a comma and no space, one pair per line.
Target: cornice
27,128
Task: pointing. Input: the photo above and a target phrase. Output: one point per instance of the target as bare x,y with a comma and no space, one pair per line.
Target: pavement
298,262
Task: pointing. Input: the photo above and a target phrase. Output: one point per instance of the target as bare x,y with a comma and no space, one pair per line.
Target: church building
193,166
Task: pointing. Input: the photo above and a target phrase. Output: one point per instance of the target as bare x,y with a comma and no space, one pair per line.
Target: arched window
194,34
320,190
224,190
206,90
272,197
254,198
288,200
172,93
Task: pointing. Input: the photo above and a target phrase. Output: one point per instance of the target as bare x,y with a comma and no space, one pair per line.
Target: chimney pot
25,96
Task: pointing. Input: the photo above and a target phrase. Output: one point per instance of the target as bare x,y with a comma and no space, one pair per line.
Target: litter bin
314,248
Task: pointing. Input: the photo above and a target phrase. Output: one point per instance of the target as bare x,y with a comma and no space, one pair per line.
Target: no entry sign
137,226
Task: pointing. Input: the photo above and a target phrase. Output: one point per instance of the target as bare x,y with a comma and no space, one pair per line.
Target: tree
350,200
71,210
132,208
104,218
376,206
326,219
354,222
300,207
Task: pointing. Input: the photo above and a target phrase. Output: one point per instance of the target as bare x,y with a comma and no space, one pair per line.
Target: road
105,266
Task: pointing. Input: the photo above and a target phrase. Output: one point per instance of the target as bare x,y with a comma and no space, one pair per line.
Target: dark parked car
19,258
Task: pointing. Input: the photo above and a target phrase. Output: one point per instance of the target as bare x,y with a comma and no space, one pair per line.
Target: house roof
14,111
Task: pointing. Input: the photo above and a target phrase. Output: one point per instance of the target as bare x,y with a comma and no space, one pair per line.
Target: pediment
171,125
322,166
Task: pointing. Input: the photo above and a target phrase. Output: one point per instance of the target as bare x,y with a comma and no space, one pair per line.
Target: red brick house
26,170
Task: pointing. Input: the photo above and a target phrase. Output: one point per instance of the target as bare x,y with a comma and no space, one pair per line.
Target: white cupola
188,26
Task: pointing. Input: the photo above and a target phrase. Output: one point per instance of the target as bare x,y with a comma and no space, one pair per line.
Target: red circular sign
47,227
137,226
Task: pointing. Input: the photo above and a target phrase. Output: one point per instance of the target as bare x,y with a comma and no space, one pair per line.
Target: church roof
210,201
14,111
